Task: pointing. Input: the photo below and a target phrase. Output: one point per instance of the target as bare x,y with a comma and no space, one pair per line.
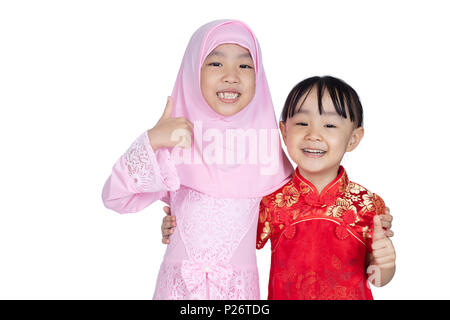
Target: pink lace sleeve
140,177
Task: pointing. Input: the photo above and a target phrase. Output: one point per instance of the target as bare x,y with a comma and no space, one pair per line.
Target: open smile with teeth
228,96
313,152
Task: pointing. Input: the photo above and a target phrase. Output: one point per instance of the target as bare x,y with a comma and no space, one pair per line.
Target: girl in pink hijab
215,183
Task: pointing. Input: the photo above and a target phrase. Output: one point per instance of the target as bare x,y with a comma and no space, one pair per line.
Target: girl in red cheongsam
327,240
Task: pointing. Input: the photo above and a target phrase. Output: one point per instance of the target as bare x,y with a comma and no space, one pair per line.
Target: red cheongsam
319,243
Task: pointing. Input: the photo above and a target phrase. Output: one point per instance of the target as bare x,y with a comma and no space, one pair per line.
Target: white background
80,80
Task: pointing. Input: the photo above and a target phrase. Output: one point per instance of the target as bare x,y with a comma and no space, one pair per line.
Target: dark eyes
304,124
245,66
218,64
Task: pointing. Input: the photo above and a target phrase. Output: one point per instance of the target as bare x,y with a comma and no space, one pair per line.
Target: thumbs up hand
383,251
170,132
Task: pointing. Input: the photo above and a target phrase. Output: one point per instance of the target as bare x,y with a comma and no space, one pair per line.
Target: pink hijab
230,178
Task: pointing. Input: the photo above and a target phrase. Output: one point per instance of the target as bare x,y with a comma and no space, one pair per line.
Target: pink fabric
236,180
201,278
212,251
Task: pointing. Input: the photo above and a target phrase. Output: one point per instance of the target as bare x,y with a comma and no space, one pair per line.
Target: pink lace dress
212,253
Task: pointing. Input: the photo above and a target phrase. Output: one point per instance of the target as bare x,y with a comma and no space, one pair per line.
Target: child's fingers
164,227
169,220
186,135
168,223
386,221
167,210
187,141
182,137
383,261
387,265
387,215
383,252
167,232
380,244
167,227
389,233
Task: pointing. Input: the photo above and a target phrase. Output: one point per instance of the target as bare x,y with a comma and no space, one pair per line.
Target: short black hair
340,92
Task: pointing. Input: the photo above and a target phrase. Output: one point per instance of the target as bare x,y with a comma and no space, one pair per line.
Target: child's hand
386,222
167,227
383,251
170,132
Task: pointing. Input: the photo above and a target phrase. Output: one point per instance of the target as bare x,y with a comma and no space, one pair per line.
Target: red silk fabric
319,242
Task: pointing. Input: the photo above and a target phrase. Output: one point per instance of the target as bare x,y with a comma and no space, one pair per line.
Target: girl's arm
145,173
140,177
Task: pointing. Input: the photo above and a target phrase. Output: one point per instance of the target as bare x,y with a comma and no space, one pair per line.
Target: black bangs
344,98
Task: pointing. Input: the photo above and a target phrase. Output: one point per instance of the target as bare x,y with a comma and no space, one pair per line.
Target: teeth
314,151
227,95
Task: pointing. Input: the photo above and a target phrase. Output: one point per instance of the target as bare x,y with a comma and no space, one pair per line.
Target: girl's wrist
153,140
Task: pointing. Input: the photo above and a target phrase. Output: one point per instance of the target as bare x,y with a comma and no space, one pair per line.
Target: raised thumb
378,232
168,110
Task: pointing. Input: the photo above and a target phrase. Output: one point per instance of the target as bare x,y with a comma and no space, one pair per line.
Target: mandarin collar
333,189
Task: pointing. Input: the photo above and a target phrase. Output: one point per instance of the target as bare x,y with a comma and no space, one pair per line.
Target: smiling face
317,142
227,79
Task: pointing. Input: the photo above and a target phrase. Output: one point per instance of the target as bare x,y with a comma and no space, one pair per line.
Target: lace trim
212,228
242,285
150,172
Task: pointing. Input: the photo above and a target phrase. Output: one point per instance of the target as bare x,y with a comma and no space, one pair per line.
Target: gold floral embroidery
367,204
304,188
345,201
355,188
352,197
342,205
263,214
266,231
288,197
295,214
365,232
342,202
